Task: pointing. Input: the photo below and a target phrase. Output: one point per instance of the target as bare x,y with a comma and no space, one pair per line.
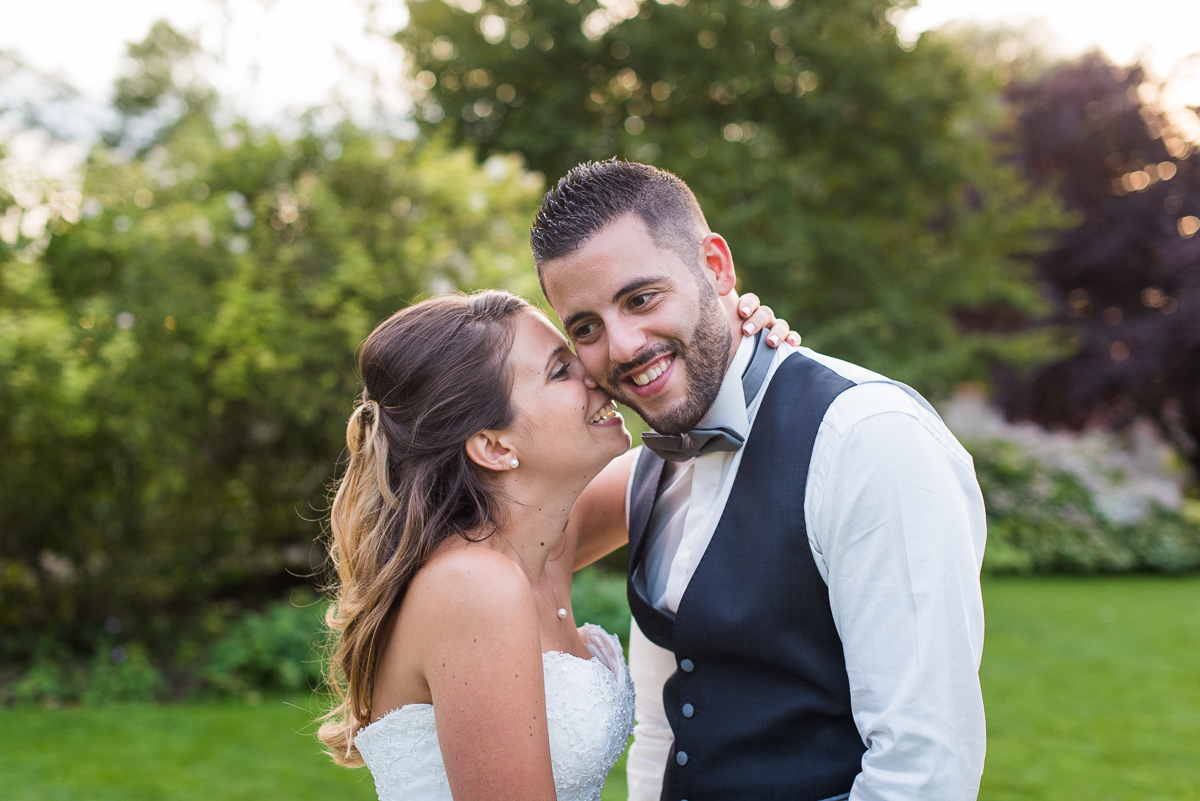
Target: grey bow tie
711,439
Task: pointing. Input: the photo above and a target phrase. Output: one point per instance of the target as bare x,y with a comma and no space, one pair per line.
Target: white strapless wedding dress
589,712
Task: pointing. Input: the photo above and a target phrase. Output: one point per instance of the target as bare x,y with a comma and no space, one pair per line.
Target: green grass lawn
1092,689
217,751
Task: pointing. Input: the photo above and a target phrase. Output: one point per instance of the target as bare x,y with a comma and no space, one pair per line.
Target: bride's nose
589,383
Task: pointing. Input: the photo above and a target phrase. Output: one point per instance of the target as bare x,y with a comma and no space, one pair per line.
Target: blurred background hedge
177,335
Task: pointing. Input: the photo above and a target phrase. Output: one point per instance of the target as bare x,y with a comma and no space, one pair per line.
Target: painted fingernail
748,328
746,311
774,340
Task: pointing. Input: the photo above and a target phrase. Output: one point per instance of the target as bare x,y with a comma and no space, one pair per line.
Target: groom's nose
625,342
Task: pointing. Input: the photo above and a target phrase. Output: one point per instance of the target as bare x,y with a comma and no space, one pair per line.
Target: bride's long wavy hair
433,375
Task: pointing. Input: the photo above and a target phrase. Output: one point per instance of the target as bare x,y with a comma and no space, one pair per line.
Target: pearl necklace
562,610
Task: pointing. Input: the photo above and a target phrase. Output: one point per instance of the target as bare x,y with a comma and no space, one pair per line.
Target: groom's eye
583,331
640,299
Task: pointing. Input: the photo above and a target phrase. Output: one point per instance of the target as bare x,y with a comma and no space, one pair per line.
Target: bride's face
565,425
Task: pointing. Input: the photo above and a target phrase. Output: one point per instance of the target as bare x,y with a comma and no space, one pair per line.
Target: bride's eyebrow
561,349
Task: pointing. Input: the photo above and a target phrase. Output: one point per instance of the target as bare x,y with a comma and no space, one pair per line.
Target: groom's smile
648,374
650,380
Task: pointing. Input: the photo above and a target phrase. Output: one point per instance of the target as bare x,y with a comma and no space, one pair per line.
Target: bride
458,670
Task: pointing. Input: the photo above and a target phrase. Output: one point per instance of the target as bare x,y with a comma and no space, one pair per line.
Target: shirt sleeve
649,666
645,764
896,523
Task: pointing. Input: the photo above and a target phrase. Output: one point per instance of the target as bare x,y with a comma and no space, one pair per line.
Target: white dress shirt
896,526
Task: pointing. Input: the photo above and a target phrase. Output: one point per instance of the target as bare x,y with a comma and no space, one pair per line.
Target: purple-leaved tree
1127,277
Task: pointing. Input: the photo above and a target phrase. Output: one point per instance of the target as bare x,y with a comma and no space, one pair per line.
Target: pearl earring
514,463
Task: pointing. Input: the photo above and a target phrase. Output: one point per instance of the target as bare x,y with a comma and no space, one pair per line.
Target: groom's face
649,327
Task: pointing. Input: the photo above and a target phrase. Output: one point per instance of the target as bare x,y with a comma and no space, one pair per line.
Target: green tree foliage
163,82
176,352
857,179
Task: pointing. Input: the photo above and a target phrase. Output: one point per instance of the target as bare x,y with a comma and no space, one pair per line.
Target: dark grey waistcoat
760,701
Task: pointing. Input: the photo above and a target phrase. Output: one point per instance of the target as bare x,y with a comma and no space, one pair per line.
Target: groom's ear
717,262
489,450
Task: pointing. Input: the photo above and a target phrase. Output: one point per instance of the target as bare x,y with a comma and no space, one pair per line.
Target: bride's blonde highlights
433,375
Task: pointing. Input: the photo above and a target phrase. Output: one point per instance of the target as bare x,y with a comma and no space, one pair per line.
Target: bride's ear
489,450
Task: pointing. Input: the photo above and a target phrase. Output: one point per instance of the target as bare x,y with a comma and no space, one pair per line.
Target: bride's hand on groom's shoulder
758,317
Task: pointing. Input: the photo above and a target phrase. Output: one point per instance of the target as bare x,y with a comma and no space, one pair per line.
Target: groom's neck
729,307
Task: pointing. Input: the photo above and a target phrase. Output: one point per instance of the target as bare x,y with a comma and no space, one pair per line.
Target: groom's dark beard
706,356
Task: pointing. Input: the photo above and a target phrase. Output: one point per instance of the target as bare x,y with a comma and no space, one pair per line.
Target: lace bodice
589,712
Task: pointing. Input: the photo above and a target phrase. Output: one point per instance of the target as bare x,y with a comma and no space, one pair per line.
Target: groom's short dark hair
597,193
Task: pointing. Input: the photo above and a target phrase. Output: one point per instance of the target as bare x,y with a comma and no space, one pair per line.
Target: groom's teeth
642,379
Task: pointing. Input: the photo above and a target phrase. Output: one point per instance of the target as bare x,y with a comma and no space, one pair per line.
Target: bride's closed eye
563,370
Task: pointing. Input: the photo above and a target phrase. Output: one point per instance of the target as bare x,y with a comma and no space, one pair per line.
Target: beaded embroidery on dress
589,713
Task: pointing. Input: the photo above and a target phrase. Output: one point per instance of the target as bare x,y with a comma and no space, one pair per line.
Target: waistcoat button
687,665
681,757
688,710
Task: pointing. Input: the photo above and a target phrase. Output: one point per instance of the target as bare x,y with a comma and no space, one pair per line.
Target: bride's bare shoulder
466,606
472,581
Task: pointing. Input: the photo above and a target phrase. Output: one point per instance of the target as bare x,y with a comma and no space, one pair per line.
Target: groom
805,535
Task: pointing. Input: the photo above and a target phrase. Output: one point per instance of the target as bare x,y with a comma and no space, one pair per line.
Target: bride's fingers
776,332
758,317
781,332
747,305
762,317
